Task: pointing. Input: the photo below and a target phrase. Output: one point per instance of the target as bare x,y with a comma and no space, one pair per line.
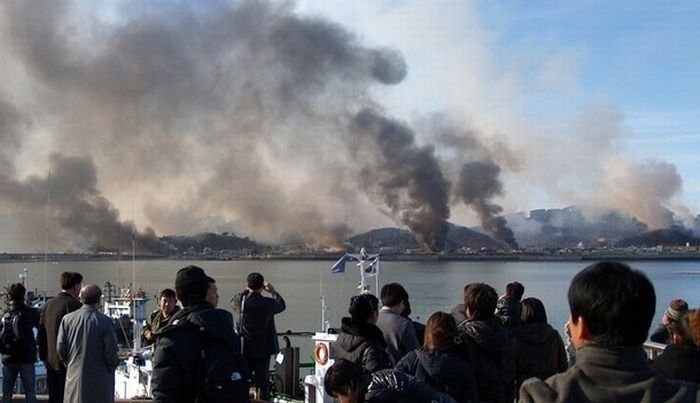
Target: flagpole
323,302
376,276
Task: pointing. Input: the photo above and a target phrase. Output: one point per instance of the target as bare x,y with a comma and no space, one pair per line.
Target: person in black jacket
21,360
255,321
540,349
349,383
488,345
360,340
508,305
51,315
195,359
680,360
438,362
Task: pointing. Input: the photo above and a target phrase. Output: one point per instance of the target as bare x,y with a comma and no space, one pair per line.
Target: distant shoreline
65,257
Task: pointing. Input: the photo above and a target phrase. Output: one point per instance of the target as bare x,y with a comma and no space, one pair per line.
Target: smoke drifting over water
244,113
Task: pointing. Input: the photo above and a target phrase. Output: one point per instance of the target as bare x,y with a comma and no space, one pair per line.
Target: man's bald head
90,294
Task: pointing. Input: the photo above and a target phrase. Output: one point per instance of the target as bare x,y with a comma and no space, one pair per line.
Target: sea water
432,286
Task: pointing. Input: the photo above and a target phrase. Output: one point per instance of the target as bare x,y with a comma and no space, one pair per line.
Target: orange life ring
321,353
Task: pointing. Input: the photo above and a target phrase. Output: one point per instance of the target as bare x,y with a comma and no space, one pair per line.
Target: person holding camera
255,322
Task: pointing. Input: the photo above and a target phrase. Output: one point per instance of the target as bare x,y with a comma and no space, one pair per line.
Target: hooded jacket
605,375
489,347
540,351
393,386
679,362
362,343
445,371
508,309
195,358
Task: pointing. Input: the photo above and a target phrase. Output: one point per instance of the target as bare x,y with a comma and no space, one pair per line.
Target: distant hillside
463,237
457,237
210,240
674,236
385,238
569,227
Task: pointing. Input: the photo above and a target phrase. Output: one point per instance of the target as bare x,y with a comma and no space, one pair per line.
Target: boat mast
46,227
137,337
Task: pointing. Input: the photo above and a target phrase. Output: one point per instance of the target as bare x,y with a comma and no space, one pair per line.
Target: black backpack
9,332
223,373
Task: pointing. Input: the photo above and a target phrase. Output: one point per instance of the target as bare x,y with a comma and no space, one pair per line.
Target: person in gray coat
399,332
87,345
611,308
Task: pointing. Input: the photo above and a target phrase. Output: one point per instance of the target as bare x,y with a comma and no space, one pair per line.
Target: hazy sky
323,118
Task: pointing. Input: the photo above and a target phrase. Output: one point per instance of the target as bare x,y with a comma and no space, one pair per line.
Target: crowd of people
501,349
487,349
200,353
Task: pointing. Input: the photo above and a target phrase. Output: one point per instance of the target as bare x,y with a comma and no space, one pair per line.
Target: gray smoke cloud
77,207
235,110
243,112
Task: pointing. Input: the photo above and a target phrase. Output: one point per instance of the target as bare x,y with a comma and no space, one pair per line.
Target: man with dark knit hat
255,321
196,359
675,309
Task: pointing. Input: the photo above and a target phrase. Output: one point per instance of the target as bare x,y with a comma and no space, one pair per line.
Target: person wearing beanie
360,340
680,360
255,321
662,333
196,357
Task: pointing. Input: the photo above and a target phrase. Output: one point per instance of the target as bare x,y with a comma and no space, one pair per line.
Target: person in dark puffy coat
195,358
438,363
540,349
508,305
349,383
488,345
681,359
360,340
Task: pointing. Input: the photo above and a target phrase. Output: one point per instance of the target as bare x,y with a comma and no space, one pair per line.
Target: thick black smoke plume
478,182
407,177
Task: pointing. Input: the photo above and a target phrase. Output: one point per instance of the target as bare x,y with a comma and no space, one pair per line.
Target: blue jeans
9,377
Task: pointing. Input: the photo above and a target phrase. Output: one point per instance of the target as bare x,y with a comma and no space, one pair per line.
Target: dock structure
45,398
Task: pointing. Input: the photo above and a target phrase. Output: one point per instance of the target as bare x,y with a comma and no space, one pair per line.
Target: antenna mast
46,228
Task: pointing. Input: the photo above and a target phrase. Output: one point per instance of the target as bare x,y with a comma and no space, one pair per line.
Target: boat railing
653,349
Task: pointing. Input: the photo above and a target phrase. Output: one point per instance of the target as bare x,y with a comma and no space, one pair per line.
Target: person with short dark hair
195,357
212,293
399,332
508,305
540,349
611,308
255,321
87,345
662,333
438,363
680,360
488,344
360,340
167,306
20,361
349,383
51,315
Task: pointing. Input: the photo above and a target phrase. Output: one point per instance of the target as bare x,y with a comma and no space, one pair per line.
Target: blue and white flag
339,266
